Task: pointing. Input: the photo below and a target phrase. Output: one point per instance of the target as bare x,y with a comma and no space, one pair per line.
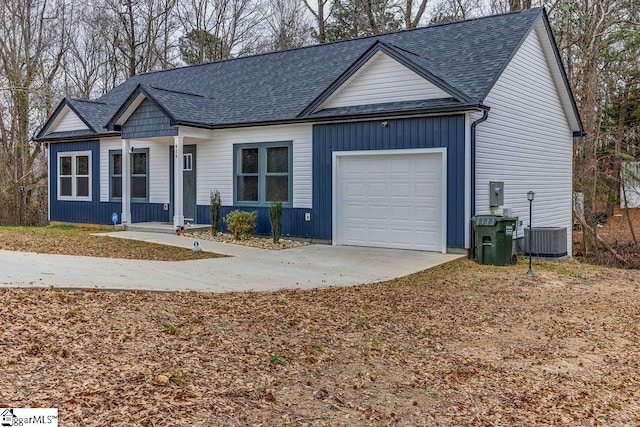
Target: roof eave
574,106
76,138
382,114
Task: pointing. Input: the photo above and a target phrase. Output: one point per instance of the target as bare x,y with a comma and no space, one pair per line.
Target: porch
165,227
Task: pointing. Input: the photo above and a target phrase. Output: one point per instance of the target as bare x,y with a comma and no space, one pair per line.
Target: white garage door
390,201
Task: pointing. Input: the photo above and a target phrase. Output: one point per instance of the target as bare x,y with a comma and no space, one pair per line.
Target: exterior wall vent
547,241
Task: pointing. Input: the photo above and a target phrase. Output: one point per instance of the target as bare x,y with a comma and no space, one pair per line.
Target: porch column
178,169
125,217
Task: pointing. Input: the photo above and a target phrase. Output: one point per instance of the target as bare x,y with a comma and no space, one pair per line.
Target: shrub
275,216
241,223
215,206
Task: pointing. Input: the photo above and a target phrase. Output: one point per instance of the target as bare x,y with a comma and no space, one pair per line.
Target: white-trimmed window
139,175
188,162
74,176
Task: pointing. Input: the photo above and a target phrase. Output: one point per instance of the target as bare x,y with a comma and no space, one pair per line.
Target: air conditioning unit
546,241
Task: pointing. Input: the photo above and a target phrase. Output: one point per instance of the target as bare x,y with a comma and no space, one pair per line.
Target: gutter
485,116
89,137
337,118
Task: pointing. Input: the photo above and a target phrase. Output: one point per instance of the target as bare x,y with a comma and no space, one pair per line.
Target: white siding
383,79
215,160
158,167
105,146
527,141
67,121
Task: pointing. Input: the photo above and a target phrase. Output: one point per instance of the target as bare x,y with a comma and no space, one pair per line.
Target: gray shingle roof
93,112
467,56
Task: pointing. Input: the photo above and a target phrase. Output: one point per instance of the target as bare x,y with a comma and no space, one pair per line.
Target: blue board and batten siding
293,223
148,121
94,211
410,133
425,132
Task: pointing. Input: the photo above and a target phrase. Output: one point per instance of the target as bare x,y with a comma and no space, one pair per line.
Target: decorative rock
254,241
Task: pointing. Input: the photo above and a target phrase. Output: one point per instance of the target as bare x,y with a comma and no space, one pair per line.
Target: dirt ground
617,233
616,230
461,344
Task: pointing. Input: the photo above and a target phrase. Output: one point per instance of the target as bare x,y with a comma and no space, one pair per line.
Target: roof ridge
180,92
372,36
91,101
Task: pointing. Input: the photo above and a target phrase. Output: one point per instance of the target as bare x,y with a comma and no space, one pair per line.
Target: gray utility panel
496,194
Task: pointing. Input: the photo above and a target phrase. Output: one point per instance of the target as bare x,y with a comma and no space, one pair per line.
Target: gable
147,120
67,121
555,66
538,63
381,80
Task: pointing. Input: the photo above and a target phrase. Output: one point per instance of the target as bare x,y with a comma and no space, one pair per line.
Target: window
115,174
263,173
139,175
74,176
187,165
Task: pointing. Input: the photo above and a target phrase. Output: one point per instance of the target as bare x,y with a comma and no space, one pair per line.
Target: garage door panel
354,189
426,212
401,213
427,189
400,189
378,189
391,200
378,213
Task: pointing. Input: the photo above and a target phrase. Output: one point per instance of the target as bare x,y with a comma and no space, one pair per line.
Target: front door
188,182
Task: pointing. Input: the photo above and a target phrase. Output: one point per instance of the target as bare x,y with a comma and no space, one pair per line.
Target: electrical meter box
496,194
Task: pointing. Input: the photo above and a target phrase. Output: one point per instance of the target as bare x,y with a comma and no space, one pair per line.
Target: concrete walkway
246,269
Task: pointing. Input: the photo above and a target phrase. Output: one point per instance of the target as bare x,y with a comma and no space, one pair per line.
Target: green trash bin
494,239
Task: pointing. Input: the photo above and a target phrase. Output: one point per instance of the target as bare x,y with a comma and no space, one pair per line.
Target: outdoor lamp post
530,196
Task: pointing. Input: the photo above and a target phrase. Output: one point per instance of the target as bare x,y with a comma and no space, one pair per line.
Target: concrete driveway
246,269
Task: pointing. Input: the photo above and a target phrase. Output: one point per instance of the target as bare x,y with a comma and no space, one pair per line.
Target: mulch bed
261,242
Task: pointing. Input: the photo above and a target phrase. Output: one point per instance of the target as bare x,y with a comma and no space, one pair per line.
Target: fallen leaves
461,344
69,240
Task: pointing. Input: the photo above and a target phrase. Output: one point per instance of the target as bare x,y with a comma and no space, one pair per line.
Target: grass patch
67,239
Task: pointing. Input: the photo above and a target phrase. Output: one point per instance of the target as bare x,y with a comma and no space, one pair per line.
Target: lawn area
460,344
70,240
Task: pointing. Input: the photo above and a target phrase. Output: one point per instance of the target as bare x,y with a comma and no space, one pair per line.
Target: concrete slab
247,269
165,227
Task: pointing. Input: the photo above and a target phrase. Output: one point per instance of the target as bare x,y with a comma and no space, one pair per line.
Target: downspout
485,115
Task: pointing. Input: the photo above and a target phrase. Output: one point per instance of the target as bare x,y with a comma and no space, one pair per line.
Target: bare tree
455,10
32,45
143,31
519,4
287,25
218,29
86,59
412,11
320,15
